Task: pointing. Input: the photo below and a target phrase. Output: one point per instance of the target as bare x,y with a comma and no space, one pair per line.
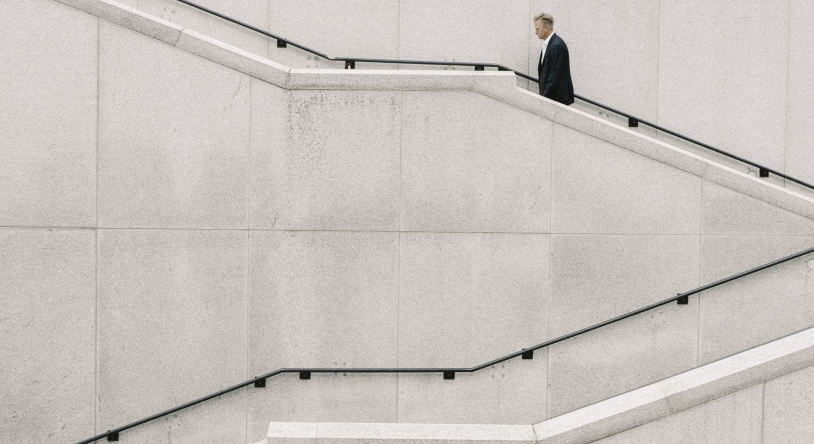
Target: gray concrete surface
595,190
632,55
708,85
787,408
740,399
756,308
172,328
460,175
323,299
334,167
219,170
799,160
734,419
47,334
173,149
48,118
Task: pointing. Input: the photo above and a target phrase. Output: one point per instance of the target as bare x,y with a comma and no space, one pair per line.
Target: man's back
554,72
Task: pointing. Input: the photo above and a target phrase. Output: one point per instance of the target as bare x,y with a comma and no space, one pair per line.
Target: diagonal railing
633,121
449,373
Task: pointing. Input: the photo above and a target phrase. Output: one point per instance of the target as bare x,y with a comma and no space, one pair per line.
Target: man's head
543,25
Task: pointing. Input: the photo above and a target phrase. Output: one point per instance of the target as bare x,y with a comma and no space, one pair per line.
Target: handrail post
350,64
763,172
632,123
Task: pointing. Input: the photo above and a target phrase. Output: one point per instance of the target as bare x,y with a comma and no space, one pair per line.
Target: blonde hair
547,19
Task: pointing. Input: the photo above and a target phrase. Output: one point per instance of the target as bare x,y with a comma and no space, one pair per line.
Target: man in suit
553,69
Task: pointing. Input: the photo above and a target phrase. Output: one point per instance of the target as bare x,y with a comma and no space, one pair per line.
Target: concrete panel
486,295
488,31
789,405
356,28
471,163
729,212
621,357
613,47
513,392
334,165
466,299
601,188
47,115
172,328
595,277
174,146
735,419
800,113
757,308
323,299
251,12
721,85
47,336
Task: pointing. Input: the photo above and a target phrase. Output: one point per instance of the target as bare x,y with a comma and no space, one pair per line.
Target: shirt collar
545,42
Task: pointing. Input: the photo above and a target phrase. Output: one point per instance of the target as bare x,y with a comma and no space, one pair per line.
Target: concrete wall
172,226
685,65
771,413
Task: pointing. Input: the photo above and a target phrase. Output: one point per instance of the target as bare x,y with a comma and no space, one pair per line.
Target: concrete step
732,398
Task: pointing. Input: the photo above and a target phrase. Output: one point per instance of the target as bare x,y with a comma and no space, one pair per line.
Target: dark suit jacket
555,72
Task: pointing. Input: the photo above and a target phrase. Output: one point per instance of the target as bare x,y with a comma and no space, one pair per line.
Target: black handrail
350,62
449,373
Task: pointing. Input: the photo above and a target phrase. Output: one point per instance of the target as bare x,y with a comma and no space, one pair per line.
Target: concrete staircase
744,398
275,217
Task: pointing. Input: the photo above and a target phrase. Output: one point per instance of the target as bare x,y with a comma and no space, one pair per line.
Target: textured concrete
173,149
172,328
235,58
460,174
622,357
336,165
513,392
788,406
126,15
489,31
47,337
757,308
724,86
500,90
743,372
799,160
718,402
466,299
597,277
323,299
613,47
252,12
47,115
729,212
358,28
602,188
735,419
301,433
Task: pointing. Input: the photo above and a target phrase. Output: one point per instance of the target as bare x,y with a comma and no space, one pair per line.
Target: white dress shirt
545,45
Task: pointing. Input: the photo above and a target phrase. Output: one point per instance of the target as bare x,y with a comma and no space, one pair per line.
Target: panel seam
96,241
763,412
398,263
786,120
248,256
